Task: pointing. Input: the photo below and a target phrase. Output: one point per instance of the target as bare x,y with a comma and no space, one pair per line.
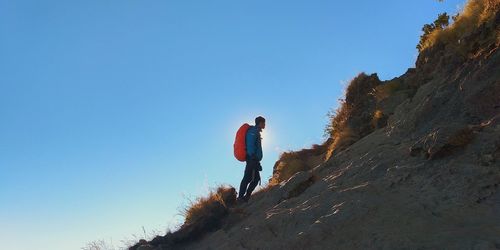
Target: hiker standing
253,157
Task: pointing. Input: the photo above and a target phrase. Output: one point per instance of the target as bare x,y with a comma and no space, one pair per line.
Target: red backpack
240,148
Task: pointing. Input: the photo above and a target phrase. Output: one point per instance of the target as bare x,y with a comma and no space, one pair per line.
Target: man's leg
247,178
253,183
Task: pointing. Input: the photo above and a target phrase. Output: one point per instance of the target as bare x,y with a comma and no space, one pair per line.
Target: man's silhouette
253,158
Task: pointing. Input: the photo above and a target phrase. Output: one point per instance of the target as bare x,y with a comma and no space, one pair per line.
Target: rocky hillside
412,163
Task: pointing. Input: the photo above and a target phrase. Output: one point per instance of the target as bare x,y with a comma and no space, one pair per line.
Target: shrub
352,119
342,140
475,13
287,168
338,119
203,215
215,204
442,21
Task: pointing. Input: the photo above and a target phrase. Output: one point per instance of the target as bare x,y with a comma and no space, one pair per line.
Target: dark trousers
252,177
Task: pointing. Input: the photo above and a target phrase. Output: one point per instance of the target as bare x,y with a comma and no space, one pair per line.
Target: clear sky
114,112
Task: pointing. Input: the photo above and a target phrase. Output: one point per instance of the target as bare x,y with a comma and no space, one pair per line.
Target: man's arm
258,147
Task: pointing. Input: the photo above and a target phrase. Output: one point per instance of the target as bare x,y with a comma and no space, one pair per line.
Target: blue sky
113,113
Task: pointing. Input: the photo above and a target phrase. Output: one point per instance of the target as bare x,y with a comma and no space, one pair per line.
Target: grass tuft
215,204
350,121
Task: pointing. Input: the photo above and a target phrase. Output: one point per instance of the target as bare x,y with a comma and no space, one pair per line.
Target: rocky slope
420,168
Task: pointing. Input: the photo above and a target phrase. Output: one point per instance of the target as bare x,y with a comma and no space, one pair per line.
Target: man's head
260,122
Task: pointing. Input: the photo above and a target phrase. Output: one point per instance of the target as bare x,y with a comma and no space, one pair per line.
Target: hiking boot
246,198
241,200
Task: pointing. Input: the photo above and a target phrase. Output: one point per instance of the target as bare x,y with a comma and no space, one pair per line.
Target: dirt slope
426,177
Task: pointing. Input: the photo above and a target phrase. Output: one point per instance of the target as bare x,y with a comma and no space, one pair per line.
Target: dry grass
286,168
202,215
347,123
342,140
338,119
358,88
358,93
215,204
378,114
475,13
378,117
456,141
99,245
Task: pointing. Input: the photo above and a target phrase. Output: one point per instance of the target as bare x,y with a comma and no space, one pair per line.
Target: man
253,158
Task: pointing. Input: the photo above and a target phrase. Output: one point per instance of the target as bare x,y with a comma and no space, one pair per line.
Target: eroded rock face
297,184
145,247
443,141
